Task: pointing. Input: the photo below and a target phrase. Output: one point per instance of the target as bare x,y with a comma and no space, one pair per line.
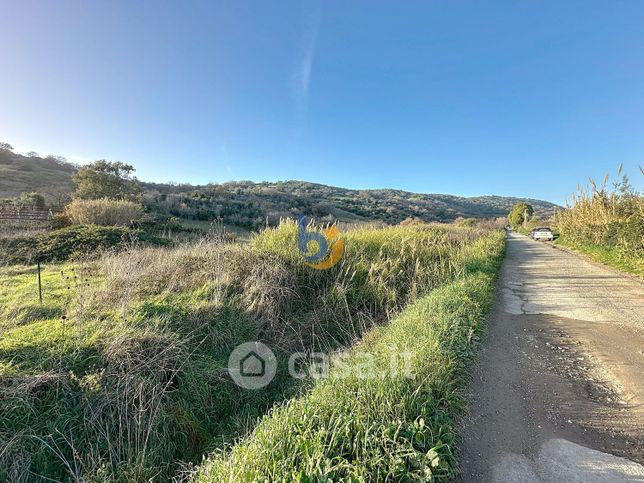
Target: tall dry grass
605,214
104,212
387,427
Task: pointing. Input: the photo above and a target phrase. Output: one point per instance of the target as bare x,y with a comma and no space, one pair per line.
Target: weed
123,376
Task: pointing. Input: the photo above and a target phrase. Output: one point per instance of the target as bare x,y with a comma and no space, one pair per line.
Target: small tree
6,146
519,214
61,160
33,200
105,179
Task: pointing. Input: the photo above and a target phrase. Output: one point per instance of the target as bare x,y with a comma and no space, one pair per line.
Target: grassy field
120,374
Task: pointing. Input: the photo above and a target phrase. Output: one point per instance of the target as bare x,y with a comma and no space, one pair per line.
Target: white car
542,234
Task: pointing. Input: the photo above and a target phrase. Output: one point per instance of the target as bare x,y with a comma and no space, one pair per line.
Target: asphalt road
558,390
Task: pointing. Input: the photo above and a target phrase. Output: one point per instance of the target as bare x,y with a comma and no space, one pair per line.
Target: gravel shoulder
558,391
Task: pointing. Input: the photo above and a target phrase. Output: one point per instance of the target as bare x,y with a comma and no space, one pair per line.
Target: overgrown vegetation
606,222
379,425
121,375
32,200
104,212
71,242
520,214
104,203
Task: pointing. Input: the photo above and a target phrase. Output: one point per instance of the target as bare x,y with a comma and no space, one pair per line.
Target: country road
557,394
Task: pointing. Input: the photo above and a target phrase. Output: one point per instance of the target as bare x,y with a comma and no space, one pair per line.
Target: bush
467,222
33,200
68,242
627,235
59,220
104,212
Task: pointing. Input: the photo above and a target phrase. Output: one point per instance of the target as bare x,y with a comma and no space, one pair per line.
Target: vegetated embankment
120,373
607,224
382,426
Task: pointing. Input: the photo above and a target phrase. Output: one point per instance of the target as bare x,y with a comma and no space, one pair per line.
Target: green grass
383,428
120,374
70,242
613,257
19,302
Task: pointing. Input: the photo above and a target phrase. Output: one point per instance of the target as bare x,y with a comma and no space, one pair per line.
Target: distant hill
50,176
249,204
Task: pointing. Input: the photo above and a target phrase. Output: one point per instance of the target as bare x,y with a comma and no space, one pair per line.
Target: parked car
542,234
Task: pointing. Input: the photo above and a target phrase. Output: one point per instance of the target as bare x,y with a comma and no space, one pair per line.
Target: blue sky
461,97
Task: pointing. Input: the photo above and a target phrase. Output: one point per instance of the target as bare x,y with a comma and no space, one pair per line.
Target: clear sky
523,98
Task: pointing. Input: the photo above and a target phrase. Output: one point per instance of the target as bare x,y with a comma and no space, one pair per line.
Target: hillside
49,176
249,204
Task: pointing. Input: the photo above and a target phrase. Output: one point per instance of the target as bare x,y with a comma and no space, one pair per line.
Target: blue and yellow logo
329,249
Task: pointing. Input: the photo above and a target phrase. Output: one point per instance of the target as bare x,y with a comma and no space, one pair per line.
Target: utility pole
525,217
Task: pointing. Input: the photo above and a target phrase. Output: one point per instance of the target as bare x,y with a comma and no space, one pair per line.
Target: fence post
39,283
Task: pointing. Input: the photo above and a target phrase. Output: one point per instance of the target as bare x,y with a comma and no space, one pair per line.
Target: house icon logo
252,365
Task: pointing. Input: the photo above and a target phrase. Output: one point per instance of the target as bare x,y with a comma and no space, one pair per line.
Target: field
121,373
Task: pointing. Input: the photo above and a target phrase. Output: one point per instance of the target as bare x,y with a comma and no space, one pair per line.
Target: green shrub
626,235
33,200
59,220
469,222
67,242
104,212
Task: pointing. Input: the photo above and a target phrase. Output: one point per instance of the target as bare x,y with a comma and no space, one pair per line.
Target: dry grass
607,216
104,212
382,428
